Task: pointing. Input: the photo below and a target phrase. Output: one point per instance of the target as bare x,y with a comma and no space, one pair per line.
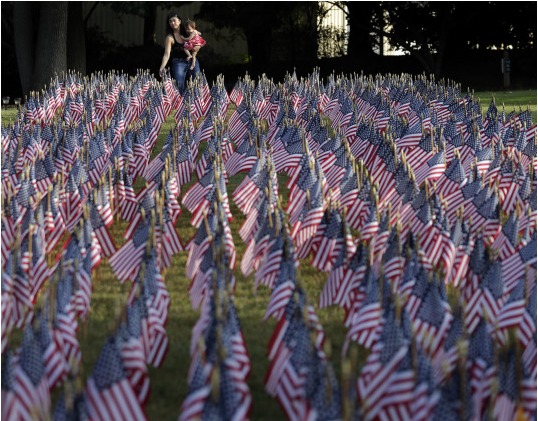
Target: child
193,42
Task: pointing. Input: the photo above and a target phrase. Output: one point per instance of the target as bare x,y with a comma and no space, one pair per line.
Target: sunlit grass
511,100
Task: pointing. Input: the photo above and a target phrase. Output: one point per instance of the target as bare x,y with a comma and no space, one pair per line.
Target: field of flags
418,209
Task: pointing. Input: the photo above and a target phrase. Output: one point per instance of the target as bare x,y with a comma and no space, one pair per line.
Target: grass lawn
512,100
169,382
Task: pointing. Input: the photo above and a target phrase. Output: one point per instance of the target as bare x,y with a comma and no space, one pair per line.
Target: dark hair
170,16
183,30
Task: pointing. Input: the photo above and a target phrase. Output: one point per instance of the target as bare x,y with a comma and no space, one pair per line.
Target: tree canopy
49,38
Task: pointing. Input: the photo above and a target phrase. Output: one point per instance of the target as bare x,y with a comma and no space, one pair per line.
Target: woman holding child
181,45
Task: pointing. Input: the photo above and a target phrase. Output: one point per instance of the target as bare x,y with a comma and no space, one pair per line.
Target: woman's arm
166,56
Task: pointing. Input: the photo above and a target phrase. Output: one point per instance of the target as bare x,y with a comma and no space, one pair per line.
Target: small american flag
109,393
30,379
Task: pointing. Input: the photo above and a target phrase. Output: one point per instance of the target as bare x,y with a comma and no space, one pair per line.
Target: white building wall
334,31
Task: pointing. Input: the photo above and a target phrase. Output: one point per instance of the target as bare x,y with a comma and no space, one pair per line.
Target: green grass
169,382
512,100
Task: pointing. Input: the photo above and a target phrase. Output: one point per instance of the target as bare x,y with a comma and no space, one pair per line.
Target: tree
433,32
499,24
76,39
274,31
420,28
10,75
359,15
146,10
40,32
256,19
298,31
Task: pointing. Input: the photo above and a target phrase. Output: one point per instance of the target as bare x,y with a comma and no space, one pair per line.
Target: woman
173,48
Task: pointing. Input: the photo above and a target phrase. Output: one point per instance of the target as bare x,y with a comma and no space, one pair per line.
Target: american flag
358,209
366,324
126,199
217,377
30,379
248,192
196,198
12,408
65,325
295,359
481,366
101,230
268,267
210,153
198,246
305,225
426,395
126,261
56,367
70,407
442,198
511,313
199,391
329,240
258,245
8,309
109,393
157,313
450,405
70,145
446,358
98,157
45,173
302,181
238,123
348,190
129,342
205,130
514,266
348,276
71,209
242,159
430,314
282,289
513,392
34,259
335,172
393,257
288,153
16,283
236,95
386,383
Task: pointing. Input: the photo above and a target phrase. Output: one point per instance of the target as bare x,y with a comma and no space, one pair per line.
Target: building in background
333,30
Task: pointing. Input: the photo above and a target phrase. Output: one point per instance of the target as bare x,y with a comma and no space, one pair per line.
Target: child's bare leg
189,55
195,51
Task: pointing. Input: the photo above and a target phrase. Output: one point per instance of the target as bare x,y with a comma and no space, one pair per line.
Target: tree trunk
360,15
259,48
149,23
311,47
24,25
76,39
51,51
258,31
444,36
